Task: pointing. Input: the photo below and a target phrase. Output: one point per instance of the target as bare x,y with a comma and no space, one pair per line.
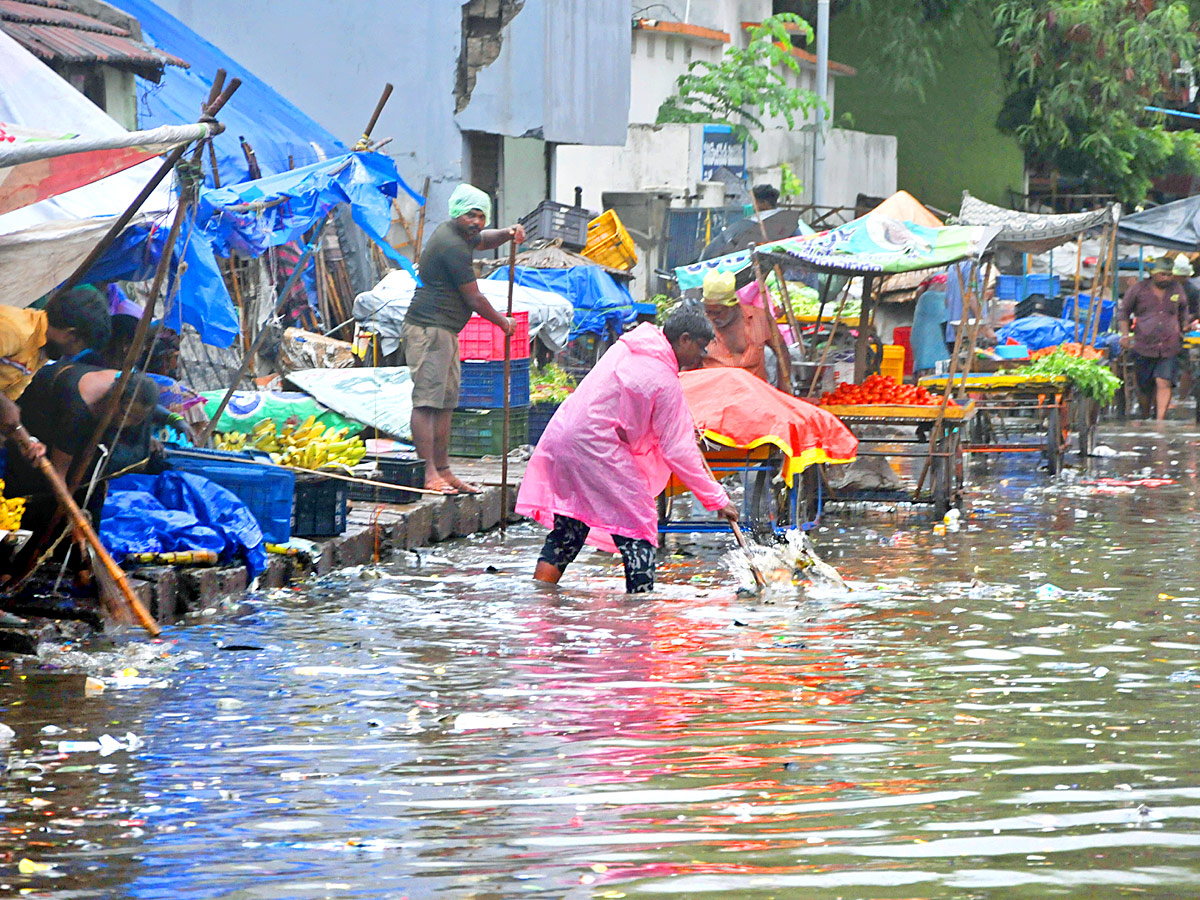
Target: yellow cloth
22,337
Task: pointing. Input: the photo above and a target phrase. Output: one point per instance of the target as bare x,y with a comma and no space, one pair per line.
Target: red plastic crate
483,340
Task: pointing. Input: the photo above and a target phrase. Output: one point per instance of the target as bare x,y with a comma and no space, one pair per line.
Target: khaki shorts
432,355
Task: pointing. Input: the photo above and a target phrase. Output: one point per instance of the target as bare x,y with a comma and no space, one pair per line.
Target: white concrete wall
654,156
120,96
522,178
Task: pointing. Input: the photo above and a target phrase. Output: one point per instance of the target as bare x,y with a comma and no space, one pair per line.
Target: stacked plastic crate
477,428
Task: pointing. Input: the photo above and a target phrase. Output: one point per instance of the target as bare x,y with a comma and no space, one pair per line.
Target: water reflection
945,729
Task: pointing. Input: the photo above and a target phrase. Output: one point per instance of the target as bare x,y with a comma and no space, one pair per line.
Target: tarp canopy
36,164
736,409
279,133
1172,226
875,244
904,207
1031,232
40,244
249,218
601,303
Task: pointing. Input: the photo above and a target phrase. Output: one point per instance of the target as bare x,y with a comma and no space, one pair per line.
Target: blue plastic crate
483,384
540,415
1087,310
1018,287
266,489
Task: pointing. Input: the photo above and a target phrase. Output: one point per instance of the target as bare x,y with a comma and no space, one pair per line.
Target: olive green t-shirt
445,267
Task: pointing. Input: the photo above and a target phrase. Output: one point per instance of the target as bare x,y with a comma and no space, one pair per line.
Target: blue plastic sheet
601,303
296,201
179,511
1037,332
274,128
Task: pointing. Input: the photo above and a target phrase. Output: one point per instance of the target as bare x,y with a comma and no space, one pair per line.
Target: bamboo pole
865,315
83,461
777,345
84,528
935,434
788,312
1078,269
421,220
977,303
837,319
512,270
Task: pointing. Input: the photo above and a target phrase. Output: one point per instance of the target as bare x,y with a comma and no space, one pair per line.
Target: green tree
1081,74
747,86
1078,75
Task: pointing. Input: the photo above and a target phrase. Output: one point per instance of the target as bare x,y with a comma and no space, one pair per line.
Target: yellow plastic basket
893,362
608,243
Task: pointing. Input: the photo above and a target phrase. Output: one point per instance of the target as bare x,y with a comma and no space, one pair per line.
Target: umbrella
745,233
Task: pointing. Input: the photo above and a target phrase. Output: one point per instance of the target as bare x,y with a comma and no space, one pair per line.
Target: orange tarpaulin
735,409
904,207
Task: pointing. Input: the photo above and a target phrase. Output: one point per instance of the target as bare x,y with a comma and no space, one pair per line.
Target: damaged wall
483,24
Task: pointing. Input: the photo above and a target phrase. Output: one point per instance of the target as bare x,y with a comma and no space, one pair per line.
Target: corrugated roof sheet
45,14
58,44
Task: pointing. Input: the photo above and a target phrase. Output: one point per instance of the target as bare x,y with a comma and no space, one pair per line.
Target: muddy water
1008,711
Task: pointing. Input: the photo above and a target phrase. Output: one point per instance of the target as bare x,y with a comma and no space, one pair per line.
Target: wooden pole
759,581
1110,271
83,461
837,318
84,528
512,274
777,345
365,141
788,312
864,329
976,302
421,221
1078,268
935,434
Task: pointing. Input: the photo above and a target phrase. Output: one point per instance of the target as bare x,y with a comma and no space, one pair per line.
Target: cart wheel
768,506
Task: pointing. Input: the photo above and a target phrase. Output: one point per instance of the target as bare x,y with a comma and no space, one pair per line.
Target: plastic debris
1047,592
478,721
6,734
93,686
29,867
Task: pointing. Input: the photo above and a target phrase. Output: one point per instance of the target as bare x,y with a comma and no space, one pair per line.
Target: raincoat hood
649,340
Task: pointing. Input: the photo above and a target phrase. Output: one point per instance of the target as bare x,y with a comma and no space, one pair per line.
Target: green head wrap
467,197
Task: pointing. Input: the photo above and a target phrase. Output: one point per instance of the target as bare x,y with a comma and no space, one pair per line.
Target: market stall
764,440
871,247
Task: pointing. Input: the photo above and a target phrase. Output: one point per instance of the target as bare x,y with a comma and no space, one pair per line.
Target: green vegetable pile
807,302
1088,376
550,384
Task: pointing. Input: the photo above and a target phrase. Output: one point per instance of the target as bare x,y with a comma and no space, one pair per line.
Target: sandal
442,486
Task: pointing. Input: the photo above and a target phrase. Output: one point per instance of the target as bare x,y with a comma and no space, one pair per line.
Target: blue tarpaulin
601,303
284,207
1037,332
273,127
179,511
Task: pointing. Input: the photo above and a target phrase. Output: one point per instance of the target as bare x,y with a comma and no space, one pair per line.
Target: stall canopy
249,218
37,164
1173,226
904,207
735,409
876,244
280,134
1031,232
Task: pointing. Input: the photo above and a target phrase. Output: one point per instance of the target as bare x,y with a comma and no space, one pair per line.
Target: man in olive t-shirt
440,309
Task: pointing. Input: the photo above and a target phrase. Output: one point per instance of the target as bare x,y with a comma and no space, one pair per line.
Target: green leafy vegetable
550,384
1088,376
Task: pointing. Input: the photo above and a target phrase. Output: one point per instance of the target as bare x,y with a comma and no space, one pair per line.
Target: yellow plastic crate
608,243
893,362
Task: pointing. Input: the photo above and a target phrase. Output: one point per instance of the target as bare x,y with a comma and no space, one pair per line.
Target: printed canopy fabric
36,164
876,244
1031,232
737,409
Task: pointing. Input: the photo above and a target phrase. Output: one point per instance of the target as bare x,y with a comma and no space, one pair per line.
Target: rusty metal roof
54,32
48,13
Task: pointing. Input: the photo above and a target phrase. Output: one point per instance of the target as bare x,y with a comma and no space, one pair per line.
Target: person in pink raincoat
612,446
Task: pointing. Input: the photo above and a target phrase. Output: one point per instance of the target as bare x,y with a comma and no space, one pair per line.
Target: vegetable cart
1024,414
944,488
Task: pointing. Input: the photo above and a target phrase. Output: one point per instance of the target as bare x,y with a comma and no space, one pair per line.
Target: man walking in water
440,308
611,447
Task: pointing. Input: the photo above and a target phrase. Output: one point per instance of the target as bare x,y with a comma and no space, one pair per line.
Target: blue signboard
721,149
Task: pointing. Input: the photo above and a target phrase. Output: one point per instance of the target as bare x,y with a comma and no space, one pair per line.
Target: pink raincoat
611,447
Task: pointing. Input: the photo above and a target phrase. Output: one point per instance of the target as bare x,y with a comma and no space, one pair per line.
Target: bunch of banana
230,440
10,511
309,445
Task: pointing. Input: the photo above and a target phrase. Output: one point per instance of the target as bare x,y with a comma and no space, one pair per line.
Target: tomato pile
880,390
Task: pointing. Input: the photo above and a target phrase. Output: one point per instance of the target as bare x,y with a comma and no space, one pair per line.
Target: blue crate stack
477,426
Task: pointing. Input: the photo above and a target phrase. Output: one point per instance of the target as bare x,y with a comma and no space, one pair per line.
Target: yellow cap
720,287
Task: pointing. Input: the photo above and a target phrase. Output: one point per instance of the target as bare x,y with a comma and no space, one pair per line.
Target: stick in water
759,581
512,268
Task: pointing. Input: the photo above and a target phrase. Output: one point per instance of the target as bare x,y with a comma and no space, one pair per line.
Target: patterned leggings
566,540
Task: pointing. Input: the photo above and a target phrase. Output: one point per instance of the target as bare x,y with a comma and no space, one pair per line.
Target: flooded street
1010,711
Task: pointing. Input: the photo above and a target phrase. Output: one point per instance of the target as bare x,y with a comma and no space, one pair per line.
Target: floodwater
1009,711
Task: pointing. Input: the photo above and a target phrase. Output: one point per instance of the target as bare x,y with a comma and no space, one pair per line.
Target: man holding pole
1156,311
440,308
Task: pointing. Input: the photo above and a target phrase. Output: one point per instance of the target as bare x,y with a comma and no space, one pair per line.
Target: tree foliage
1078,75
1081,74
748,86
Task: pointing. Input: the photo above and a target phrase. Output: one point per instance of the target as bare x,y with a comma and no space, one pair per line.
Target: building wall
332,62
948,142
120,96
